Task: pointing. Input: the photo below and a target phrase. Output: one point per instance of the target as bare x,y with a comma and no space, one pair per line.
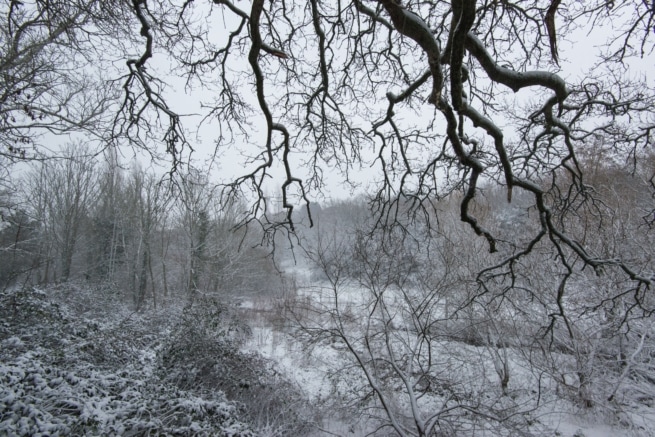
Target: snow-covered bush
62,374
203,354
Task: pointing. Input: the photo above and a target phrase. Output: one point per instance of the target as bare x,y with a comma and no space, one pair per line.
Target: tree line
84,217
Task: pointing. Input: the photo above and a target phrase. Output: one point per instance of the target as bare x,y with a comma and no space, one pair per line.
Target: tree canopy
439,97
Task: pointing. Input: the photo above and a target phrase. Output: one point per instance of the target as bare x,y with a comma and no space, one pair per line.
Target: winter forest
327,218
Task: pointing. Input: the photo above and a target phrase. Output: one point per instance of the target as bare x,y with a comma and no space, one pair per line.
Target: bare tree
427,87
195,198
148,200
51,70
19,242
61,193
385,305
109,221
418,323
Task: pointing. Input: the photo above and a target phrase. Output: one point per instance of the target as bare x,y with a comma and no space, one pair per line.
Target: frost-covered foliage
64,372
204,351
39,398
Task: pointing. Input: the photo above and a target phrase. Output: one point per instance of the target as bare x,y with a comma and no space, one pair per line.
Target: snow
95,383
106,373
324,372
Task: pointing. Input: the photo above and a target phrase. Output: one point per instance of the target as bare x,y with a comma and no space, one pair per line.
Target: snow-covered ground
325,373
76,361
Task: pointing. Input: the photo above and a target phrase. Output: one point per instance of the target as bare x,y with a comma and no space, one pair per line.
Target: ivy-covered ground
75,360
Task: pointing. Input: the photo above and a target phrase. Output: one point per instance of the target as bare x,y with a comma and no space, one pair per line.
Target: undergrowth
75,361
